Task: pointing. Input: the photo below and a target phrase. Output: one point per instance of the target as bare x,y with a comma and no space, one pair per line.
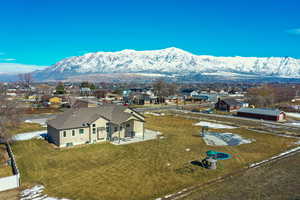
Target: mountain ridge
170,61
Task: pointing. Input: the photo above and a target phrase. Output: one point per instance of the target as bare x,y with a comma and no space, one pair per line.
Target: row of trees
9,116
9,111
162,88
270,95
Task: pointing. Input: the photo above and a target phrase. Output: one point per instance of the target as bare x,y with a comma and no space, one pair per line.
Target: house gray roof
261,111
232,102
75,118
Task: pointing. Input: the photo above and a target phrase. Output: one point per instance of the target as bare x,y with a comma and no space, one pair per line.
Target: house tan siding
138,128
78,138
98,130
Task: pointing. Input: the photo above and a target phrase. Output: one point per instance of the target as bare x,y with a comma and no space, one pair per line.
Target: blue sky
41,32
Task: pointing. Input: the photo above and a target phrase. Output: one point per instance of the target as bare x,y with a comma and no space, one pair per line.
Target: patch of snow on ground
36,193
297,115
224,139
155,114
214,125
30,135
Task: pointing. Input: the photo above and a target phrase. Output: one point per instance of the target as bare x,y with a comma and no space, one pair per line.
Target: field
246,123
26,127
276,181
137,171
41,111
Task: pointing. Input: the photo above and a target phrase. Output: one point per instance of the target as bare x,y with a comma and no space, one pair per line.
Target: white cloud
295,31
15,68
8,59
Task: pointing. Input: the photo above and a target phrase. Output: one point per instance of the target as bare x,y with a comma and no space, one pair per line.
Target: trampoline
217,155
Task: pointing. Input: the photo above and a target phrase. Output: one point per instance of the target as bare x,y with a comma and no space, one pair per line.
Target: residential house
85,91
228,105
85,103
186,92
95,124
262,113
194,93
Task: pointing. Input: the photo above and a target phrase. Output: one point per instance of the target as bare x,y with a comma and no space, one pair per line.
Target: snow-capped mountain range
170,62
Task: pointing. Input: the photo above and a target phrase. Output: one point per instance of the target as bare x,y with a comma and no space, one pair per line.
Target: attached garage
262,113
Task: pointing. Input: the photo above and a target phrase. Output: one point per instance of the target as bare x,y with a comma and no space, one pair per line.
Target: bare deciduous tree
26,80
9,116
163,89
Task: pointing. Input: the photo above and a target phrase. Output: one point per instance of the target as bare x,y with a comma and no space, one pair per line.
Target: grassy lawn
5,170
41,110
276,181
26,127
137,171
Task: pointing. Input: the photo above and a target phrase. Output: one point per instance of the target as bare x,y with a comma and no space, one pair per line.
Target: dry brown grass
276,181
136,171
41,110
10,195
5,169
25,127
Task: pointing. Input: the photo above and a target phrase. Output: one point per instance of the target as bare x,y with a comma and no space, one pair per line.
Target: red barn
262,113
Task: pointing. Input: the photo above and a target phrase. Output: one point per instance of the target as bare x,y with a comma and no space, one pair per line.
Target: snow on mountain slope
170,61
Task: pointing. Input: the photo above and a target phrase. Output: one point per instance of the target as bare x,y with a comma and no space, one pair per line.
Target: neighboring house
174,99
205,97
85,103
55,100
85,91
91,125
262,113
187,92
111,96
194,93
228,105
11,92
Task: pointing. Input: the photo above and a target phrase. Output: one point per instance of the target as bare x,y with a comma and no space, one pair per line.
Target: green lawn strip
137,171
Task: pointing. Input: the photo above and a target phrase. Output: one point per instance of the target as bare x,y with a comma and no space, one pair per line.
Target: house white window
81,131
64,134
73,132
94,125
116,128
94,130
127,125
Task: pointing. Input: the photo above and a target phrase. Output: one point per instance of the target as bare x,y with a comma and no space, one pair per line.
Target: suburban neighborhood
149,100
179,127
